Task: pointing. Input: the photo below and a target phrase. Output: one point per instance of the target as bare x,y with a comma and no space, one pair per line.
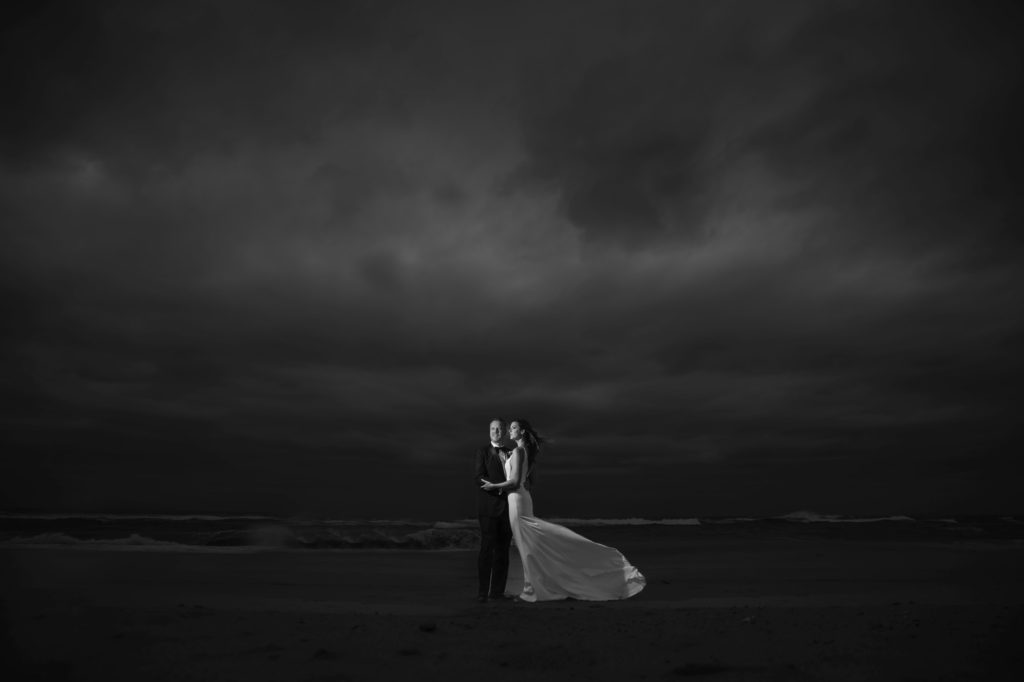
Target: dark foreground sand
815,609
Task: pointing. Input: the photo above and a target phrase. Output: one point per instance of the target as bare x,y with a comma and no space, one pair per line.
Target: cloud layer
732,258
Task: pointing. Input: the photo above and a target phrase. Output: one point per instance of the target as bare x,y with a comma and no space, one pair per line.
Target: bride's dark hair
532,441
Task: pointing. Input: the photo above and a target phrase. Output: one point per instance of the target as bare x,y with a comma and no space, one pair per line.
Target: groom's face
497,431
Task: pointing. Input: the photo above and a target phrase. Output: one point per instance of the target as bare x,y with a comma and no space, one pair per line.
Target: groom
492,512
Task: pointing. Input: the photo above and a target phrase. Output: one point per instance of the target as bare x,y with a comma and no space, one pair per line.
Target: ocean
242,533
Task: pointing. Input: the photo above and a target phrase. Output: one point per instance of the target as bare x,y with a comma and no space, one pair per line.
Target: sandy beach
735,608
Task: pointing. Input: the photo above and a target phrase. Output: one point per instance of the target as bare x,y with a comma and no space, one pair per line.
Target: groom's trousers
492,563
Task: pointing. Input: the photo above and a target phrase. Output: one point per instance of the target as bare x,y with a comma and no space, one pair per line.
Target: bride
557,563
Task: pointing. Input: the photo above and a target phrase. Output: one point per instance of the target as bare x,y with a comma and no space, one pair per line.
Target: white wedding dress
560,564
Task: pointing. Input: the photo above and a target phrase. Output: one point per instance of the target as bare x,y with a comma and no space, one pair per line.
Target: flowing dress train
559,563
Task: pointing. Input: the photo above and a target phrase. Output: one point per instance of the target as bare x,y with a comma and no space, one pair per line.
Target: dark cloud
624,177
884,114
155,85
732,258
909,131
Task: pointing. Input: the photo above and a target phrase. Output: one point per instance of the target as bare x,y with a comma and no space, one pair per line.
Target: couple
557,563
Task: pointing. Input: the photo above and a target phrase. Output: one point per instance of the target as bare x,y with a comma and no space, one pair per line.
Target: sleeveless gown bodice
559,563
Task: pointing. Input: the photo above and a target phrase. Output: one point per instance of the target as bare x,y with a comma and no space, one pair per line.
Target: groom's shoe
482,598
500,597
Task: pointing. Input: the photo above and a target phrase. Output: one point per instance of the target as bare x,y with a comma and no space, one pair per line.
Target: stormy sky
728,257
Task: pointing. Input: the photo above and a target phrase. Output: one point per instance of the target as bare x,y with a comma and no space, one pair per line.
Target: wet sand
810,608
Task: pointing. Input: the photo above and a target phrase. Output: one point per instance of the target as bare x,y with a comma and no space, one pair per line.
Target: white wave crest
462,523
132,542
472,523
814,517
56,516
626,522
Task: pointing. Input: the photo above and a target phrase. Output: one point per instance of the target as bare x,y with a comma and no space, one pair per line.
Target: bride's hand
488,485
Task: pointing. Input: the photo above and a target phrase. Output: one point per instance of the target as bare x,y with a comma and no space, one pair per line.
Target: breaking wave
815,517
265,537
574,522
251,533
627,522
53,516
62,539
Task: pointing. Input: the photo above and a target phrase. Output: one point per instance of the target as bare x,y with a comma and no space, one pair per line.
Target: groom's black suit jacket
489,467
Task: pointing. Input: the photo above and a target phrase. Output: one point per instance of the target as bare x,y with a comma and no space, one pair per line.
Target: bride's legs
518,506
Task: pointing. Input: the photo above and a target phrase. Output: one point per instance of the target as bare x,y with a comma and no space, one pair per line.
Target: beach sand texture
735,608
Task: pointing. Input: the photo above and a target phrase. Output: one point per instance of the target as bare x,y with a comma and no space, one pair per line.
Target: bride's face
514,432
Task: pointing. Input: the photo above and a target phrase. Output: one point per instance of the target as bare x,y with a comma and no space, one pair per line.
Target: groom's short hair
500,421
